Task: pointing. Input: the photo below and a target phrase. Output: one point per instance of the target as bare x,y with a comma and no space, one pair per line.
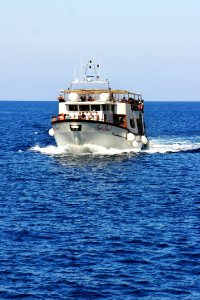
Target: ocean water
90,223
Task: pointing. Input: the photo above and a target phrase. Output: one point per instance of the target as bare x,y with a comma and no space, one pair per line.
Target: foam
171,146
156,146
49,150
81,150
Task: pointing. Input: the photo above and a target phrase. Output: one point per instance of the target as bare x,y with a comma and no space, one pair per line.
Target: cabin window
132,123
140,125
84,108
118,119
106,107
95,107
73,107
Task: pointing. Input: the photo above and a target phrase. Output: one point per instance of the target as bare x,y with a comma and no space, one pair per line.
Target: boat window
73,107
132,123
119,119
95,107
106,107
140,125
84,107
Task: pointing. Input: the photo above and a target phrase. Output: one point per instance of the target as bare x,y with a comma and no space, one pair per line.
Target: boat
91,113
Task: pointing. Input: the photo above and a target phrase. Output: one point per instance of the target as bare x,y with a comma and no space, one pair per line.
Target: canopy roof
98,91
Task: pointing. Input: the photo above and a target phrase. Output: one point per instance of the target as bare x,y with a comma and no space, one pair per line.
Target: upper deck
100,95
92,87
91,98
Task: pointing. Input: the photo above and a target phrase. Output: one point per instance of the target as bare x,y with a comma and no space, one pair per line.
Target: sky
146,46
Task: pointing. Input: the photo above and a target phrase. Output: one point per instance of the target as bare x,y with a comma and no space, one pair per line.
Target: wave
156,146
172,146
80,150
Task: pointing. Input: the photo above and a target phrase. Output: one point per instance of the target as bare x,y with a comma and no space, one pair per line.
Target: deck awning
98,91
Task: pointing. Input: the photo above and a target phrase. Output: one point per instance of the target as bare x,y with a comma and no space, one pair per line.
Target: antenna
105,74
81,66
74,74
98,70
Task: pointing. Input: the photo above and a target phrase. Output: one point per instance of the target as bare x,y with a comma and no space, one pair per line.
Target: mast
89,74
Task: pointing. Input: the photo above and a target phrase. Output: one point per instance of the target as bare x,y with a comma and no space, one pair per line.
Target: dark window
95,107
84,107
73,107
106,107
118,119
140,125
132,123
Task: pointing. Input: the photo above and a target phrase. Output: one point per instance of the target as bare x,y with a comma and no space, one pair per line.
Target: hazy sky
147,46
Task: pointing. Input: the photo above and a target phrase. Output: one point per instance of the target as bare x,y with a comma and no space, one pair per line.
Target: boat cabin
118,107
93,99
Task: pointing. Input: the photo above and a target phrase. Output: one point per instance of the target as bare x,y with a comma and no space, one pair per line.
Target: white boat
92,113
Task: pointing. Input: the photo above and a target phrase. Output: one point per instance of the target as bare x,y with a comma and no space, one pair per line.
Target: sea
91,223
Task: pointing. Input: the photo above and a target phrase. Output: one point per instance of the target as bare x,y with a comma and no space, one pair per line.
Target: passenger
93,114
53,119
67,117
79,116
83,98
61,117
61,98
86,115
91,99
135,104
90,117
97,116
130,100
83,115
140,105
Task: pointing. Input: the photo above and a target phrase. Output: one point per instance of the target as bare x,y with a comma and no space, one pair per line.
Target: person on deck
90,117
83,115
97,116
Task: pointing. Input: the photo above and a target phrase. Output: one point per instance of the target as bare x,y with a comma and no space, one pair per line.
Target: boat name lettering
56,127
103,128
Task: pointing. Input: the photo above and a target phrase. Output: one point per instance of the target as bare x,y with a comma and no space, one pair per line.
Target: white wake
80,150
156,146
171,146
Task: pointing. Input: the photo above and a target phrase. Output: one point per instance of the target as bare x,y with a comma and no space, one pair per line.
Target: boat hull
79,132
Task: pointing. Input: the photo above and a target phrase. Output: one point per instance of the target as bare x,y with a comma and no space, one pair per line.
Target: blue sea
89,223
